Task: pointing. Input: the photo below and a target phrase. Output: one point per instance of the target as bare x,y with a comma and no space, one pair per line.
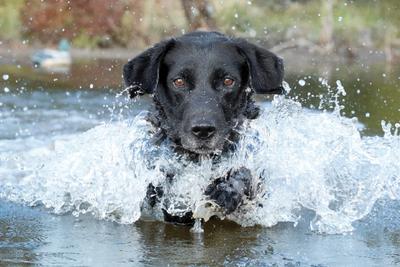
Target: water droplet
252,33
6,90
197,228
367,115
5,77
302,82
340,19
91,86
340,88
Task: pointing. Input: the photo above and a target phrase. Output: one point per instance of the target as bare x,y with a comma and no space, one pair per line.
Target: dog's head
202,83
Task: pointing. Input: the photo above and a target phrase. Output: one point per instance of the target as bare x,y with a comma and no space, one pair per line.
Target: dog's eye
179,83
228,82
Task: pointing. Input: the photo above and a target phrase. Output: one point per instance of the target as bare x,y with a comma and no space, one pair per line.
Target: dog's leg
154,194
184,218
228,191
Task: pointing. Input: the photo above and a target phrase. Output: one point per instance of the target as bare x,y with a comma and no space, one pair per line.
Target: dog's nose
203,131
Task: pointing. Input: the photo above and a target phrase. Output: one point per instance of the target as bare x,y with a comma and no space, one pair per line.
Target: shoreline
11,54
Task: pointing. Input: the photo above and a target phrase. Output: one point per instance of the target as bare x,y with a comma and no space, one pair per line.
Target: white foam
299,159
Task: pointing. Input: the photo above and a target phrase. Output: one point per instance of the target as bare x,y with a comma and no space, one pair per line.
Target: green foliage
273,21
83,40
10,23
366,22
124,34
355,23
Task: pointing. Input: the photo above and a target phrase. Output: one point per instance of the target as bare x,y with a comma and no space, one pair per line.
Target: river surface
75,161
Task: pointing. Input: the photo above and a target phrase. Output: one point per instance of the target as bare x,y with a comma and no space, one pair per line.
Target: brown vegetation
52,20
320,25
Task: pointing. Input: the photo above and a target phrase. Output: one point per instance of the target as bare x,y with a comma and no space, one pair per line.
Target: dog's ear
266,68
141,73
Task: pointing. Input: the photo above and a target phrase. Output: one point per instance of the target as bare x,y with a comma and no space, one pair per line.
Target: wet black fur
204,116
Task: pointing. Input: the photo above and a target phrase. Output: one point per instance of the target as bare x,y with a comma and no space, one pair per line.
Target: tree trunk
326,36
199,14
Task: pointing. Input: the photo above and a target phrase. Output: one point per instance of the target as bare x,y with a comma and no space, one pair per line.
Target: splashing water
197,228
298,158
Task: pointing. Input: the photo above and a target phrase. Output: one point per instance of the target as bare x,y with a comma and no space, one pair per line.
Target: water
75,165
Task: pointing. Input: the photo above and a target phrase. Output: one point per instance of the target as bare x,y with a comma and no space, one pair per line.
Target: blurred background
342,26
82,44
333,25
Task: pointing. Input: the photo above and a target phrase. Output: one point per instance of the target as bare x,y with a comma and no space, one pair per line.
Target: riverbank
10,54
295,55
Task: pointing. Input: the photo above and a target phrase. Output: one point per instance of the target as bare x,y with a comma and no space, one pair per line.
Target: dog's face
202,91
202,84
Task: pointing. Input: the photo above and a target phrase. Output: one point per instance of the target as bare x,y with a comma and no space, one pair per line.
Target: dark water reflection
34,236
83,74
372,90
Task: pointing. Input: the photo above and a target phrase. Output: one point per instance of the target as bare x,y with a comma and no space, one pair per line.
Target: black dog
202,84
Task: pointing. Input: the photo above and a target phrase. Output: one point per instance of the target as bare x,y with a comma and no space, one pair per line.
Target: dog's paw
224,195
229,191
185,218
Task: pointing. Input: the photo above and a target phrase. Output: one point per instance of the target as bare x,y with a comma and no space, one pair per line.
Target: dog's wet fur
202,85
